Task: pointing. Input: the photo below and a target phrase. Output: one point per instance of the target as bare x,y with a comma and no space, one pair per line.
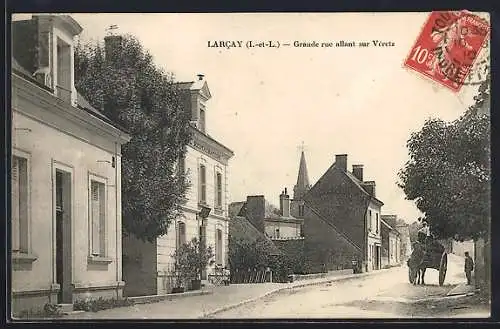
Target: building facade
342,220
206,164
391,245
404,231
65,177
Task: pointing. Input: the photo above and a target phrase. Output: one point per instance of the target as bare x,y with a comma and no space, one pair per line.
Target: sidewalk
221,299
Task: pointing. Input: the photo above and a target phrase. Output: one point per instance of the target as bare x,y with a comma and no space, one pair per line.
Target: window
218,246
301,210
202,120
277,233
376,222
98,217
370,220
20,220
203,184
181,234
218,196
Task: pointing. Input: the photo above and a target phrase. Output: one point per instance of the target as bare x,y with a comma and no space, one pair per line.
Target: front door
63,236
377,257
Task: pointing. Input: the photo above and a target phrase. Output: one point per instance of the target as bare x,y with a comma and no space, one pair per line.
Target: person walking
469,267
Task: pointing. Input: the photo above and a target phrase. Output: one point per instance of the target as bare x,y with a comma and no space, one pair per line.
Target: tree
448,173
132,92
191,258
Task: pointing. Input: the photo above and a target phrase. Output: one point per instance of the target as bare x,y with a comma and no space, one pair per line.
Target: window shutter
216,200
15,204
95,218
203,182
102,218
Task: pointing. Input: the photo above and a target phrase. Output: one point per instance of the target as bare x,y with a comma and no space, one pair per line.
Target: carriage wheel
442,268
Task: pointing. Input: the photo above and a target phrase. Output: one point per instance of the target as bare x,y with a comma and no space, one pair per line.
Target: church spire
302,185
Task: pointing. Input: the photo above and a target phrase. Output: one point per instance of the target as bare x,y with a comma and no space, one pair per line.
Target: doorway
63,236
377,257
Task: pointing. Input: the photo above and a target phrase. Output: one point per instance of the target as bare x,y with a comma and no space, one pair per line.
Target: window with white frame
376,222
218,189
20,220
203,184
98,217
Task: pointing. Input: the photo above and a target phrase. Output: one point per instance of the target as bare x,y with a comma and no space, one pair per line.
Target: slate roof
302,179
81,102
241,228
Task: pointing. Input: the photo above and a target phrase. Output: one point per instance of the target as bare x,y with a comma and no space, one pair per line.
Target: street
387,294
380,294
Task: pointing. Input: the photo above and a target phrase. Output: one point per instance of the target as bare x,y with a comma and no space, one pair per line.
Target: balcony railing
64,93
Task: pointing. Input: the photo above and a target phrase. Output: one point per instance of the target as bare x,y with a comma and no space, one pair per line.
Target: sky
266,102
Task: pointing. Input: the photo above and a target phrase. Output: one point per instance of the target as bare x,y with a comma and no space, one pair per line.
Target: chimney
357,171
112,47
285,203
370,187
341,161
255,211
200,76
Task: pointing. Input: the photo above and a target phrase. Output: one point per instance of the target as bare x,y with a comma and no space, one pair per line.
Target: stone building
342,220
65,177
150,267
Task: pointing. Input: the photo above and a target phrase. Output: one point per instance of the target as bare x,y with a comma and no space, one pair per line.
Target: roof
241,228
211,139
359,183
235,208
198,85
16,66
81,102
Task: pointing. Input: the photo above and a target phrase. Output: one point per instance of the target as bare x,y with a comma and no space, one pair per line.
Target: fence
251,276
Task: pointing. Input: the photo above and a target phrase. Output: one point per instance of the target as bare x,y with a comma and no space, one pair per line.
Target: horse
417,265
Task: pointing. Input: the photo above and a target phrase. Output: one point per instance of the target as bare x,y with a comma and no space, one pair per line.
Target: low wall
300,277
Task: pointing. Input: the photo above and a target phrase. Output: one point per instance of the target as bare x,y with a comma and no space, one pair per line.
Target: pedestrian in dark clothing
469,267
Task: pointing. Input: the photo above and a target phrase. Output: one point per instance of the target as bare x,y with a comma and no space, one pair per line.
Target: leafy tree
131,91
448,174
191,258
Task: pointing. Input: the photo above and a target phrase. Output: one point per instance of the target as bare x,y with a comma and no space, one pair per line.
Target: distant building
391,244
460,248
277,224
150,267
404,230
65,177
342,220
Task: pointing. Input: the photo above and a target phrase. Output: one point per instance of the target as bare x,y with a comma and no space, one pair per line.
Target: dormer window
63,83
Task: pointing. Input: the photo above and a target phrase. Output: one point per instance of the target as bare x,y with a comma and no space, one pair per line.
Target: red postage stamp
447,47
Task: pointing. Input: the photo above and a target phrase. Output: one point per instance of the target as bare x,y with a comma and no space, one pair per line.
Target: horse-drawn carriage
427,254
